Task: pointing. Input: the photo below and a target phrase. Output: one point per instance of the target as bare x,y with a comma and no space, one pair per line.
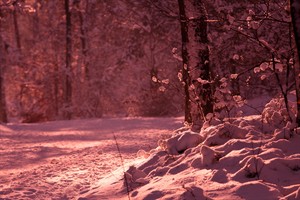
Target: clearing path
62,160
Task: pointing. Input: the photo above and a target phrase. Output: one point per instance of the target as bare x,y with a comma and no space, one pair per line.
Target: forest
149,99
87,59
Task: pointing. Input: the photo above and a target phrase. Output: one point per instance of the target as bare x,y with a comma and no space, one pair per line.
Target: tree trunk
195,54
84,47
83,36
185,60
16,26
200,65
68,83
295,14
3,113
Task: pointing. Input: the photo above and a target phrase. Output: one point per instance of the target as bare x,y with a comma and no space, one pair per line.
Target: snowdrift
254,157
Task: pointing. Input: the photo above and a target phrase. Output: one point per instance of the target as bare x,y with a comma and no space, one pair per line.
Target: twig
122,162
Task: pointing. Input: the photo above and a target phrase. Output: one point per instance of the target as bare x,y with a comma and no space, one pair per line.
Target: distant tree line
77,59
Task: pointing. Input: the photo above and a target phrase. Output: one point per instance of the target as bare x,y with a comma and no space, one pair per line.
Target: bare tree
16,25
80,13
185,60
3,113
68,83
195,55
295,14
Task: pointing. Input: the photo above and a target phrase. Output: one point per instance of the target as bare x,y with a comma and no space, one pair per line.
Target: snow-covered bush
276,114
226,104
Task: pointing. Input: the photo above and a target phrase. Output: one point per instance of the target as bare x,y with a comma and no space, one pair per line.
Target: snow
65,159
234,76
203,82
248,157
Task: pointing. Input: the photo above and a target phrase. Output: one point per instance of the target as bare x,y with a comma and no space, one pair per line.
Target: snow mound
181,142
226,157
227,161
254,157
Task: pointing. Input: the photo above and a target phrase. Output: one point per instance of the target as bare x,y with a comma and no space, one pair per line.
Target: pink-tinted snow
247,158
64,159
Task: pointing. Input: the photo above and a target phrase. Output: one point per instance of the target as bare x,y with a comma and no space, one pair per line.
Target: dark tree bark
185,60
83,36
3,51
200,68
295,14
195,55
16,25
3,112
68,83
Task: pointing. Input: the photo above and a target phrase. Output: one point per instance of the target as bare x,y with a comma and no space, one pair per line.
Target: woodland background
95,58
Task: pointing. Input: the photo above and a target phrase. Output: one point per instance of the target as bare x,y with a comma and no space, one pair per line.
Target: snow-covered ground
65,159
254,157
234,160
